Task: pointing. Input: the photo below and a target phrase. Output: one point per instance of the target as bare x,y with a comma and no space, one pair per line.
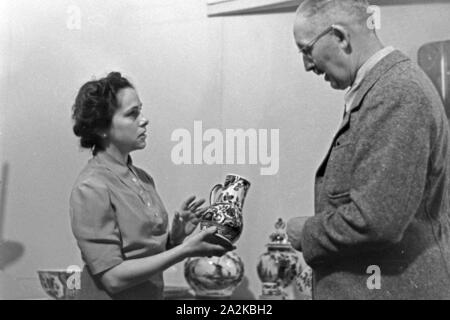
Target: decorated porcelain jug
225,211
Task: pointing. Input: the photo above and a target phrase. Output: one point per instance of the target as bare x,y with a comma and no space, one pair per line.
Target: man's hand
294,231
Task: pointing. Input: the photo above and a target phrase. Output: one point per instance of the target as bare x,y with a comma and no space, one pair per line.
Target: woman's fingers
177,216
195,205
195,221
209,231
209,236
187,203
190,204
205,243
192,209
188,216
217,250
201,211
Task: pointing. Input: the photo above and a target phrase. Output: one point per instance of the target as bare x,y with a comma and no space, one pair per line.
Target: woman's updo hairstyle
94,109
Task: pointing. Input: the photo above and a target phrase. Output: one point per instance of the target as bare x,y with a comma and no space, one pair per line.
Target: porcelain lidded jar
279,265
215,277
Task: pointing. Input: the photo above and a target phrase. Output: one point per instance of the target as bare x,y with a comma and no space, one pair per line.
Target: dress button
148,204
134,180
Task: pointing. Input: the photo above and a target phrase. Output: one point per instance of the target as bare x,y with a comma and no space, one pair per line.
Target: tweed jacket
381,228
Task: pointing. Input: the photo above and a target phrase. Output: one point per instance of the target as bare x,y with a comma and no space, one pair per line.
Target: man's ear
343,37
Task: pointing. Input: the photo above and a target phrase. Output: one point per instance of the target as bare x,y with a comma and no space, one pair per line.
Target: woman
117,217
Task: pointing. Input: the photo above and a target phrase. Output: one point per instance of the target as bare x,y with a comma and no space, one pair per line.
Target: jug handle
212,195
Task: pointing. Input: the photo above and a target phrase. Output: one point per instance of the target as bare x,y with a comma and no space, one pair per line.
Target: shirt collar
362,73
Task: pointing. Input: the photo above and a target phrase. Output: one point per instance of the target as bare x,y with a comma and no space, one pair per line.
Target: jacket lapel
371,79
374,75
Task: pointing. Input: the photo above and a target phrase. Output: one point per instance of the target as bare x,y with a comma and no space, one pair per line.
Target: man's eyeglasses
307,49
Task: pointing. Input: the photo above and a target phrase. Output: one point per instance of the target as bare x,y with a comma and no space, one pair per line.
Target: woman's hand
203,244
186,220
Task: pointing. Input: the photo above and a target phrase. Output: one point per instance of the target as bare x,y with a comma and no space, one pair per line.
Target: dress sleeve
94,226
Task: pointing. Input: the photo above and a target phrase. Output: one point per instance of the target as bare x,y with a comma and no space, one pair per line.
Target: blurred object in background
3,188
10,251
434,59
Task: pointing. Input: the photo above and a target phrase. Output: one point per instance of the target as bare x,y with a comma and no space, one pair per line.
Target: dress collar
115,165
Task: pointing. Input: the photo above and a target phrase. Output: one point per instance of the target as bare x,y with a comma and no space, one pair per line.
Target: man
381,228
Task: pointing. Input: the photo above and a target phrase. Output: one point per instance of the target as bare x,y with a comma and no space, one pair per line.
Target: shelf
235,7
230,7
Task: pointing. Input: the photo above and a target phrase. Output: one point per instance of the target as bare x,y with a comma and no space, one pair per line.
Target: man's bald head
349,13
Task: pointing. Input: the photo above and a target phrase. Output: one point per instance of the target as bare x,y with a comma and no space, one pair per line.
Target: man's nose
308,63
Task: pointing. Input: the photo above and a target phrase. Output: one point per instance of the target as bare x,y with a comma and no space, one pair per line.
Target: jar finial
279,236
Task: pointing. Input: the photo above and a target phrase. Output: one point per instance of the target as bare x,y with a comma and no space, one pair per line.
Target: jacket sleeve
388,172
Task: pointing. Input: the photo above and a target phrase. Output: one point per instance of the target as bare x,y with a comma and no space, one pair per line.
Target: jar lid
278,239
